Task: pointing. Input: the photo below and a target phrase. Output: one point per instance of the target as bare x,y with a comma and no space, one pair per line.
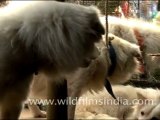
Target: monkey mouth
92,57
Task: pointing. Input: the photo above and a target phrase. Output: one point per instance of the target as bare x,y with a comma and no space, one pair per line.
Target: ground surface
27,115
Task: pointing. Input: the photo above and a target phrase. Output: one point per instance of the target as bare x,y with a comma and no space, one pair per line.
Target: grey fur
52,37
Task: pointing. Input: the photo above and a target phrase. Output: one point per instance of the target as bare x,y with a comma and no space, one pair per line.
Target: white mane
124,28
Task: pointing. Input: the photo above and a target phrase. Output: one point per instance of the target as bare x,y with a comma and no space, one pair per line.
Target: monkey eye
142,113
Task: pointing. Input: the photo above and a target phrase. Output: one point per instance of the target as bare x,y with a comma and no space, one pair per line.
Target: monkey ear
110,38
141,96
142,100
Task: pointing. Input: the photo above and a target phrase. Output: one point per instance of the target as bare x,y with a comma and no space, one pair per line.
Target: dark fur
3,3
55,38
